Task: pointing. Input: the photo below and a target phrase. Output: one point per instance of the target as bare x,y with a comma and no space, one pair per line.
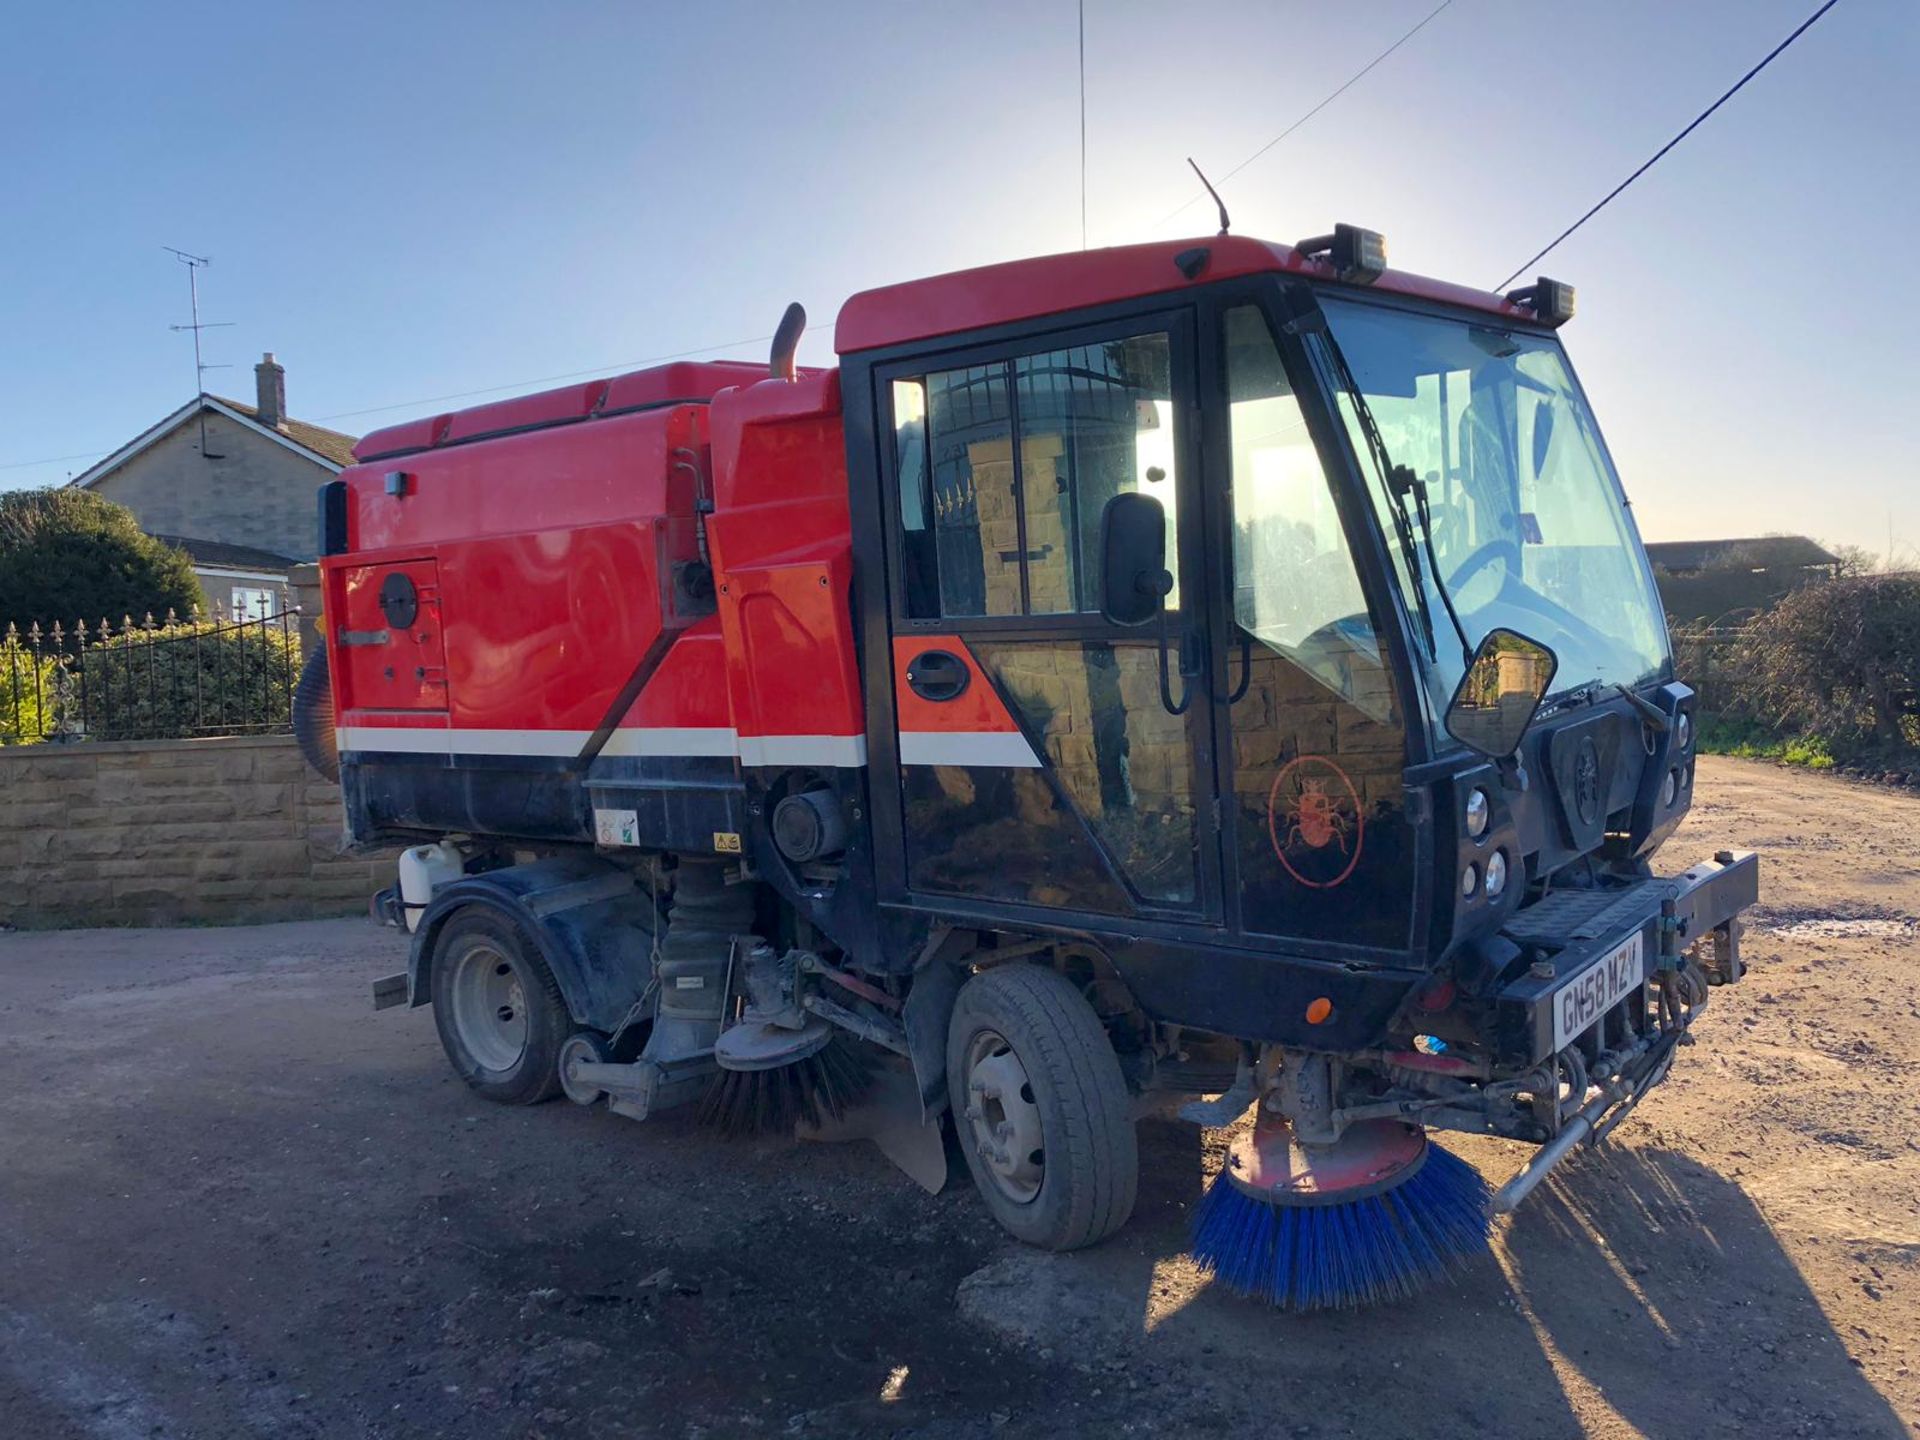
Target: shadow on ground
1638,1292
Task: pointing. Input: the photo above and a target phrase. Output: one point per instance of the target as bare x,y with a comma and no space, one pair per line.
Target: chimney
270,390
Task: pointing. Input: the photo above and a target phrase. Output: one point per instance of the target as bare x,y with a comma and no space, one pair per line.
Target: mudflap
892,1116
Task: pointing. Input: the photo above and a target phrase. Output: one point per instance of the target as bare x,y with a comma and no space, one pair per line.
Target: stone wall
166,832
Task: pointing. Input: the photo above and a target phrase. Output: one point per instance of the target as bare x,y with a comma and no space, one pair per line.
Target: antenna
1083,124
194,264
1221,204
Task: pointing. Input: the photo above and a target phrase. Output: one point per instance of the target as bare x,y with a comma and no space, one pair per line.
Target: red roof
1049,284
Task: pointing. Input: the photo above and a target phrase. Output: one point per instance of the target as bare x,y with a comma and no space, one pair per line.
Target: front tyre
1041,1109
500,1016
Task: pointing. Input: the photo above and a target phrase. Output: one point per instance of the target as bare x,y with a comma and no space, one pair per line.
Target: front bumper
1567,934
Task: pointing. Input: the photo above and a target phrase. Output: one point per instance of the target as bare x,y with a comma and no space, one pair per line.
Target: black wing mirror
1502,688
1134,582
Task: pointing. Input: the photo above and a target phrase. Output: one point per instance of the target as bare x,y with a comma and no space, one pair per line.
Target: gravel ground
235,1202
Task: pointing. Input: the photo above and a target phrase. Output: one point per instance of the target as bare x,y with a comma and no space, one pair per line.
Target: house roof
328,443
1760,552
221,555
327,448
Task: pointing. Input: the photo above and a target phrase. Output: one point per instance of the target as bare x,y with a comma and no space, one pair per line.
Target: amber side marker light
1319,1011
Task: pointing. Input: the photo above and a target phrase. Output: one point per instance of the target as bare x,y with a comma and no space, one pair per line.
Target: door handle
938,675
1246,670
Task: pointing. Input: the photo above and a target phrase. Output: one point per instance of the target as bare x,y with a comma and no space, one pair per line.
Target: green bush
1748,740
1839,662
68,555
29,687
178,681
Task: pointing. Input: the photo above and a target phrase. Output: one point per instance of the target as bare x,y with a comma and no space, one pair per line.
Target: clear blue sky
408,200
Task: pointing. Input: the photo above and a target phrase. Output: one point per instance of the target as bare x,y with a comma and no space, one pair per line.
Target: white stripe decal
671,740
1007,749
842,750
629,742
407,741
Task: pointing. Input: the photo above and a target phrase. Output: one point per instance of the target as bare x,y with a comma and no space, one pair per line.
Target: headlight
1496,873
1671,790
1469,881
1479,810
1683,732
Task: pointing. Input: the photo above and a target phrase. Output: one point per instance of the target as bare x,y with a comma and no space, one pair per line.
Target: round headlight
1496,873
1671,790
1469,881
1479,811
1683,732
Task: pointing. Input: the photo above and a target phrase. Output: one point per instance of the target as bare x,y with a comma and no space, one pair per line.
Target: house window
252,603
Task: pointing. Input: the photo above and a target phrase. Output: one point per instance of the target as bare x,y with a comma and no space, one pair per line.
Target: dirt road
234,1202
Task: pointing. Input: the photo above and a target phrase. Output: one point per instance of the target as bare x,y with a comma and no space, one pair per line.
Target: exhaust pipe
786,341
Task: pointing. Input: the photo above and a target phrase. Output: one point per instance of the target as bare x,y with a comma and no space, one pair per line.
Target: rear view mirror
1502,688
1133,559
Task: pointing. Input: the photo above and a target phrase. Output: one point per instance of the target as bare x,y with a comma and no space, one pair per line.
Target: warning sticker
616,827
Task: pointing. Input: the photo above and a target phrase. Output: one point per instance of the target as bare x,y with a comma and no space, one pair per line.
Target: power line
1802,29
613,368
1357,76
51,460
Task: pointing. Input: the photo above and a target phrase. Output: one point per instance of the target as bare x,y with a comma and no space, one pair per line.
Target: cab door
1043,762
1319,850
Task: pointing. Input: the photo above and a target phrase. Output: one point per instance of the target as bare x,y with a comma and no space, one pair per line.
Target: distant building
1728,581
243,506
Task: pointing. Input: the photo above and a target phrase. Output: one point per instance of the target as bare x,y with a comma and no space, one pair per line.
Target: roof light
1551,301
1358,256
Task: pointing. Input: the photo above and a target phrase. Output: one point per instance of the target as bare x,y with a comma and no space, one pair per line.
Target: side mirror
1134,582
1502,688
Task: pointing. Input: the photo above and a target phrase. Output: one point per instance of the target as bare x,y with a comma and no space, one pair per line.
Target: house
1728,581
234,485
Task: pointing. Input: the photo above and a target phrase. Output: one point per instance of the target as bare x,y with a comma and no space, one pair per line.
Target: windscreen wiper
1401,482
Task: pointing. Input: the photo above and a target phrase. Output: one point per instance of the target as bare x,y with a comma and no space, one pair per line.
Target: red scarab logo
1315,821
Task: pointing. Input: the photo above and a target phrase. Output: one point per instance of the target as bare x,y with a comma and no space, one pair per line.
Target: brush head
1376,1217
814,1089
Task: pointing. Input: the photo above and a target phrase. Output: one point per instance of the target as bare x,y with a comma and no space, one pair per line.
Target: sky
406,201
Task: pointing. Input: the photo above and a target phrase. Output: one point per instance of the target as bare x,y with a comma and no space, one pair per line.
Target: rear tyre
1041,1109
500,1016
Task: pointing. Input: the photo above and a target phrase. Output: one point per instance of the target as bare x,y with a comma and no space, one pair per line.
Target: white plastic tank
424,869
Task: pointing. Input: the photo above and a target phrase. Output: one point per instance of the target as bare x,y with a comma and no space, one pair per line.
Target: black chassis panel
1705,897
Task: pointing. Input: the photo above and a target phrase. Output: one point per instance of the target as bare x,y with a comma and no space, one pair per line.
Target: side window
1295,588
991,527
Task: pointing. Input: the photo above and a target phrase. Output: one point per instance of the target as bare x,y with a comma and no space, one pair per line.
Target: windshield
1527,522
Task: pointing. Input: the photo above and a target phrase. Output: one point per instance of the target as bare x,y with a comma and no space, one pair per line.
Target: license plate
1597,989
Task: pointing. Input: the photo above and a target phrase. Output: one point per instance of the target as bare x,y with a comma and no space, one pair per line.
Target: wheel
500,1016
1040,1108
583,1047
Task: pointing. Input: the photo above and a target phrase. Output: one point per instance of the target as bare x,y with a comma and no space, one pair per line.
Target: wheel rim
1004,1119
489,1008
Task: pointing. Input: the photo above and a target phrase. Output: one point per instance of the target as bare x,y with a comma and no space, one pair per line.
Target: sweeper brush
774,1081
1374,1217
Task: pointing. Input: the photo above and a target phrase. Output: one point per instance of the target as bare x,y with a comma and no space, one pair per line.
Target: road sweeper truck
1220,674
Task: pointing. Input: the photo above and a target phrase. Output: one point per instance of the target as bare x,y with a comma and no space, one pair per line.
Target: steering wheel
1500,548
